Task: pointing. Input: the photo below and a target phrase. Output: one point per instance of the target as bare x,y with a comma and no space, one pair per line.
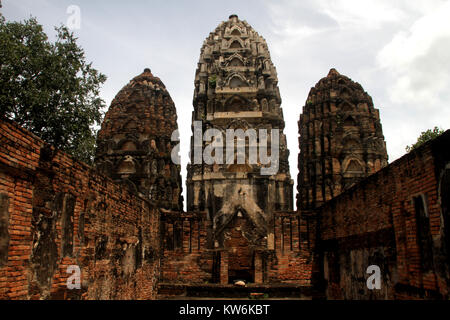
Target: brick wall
185,257
189,259
397,219
56,212
291,259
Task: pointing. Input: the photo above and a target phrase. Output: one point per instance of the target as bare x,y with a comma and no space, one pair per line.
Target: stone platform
168,291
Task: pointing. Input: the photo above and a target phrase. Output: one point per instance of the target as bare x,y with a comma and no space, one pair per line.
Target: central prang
236,93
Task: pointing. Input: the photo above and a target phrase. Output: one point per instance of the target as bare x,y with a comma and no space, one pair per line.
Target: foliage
48,88
212,81
424,137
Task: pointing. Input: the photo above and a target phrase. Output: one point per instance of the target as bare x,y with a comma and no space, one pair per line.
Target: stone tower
134,144
341,140
236,89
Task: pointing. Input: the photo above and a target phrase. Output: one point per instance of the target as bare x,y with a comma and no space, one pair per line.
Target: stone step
167,291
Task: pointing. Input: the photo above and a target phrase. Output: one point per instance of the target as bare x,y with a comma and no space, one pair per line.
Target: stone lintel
236,175
236,90
233,115
239,68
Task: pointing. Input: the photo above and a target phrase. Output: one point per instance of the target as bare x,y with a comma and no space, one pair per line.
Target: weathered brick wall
186,258
56,212
291,259
397,219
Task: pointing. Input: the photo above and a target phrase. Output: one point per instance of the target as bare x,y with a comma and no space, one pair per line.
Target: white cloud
417,59
361,13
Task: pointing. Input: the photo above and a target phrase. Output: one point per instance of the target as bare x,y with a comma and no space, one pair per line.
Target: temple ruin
122,225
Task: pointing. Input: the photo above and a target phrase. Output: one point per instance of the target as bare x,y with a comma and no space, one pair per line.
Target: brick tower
236,88
134,144
341,140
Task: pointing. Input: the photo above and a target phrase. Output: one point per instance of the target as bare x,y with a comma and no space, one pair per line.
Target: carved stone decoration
135,141
341,140
239,200
242,204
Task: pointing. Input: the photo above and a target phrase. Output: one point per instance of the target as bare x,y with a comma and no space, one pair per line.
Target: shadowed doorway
240,254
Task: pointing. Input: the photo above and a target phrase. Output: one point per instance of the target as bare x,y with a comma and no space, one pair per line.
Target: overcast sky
399,51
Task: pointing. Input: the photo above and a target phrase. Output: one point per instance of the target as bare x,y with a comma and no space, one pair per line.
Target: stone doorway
240,254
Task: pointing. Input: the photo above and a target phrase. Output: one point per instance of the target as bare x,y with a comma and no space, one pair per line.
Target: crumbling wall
290,258
185,258
56,213
396,220
189,258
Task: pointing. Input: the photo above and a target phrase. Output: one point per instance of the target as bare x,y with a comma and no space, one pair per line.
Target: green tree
424,137
48,88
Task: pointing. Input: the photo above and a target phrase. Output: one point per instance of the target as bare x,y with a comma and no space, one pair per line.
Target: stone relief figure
259,64
254,49
261,83
261,49
202,89
255,105
224,44
264,105
272,105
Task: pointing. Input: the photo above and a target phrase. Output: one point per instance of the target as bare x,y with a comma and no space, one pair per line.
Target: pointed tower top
333,72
